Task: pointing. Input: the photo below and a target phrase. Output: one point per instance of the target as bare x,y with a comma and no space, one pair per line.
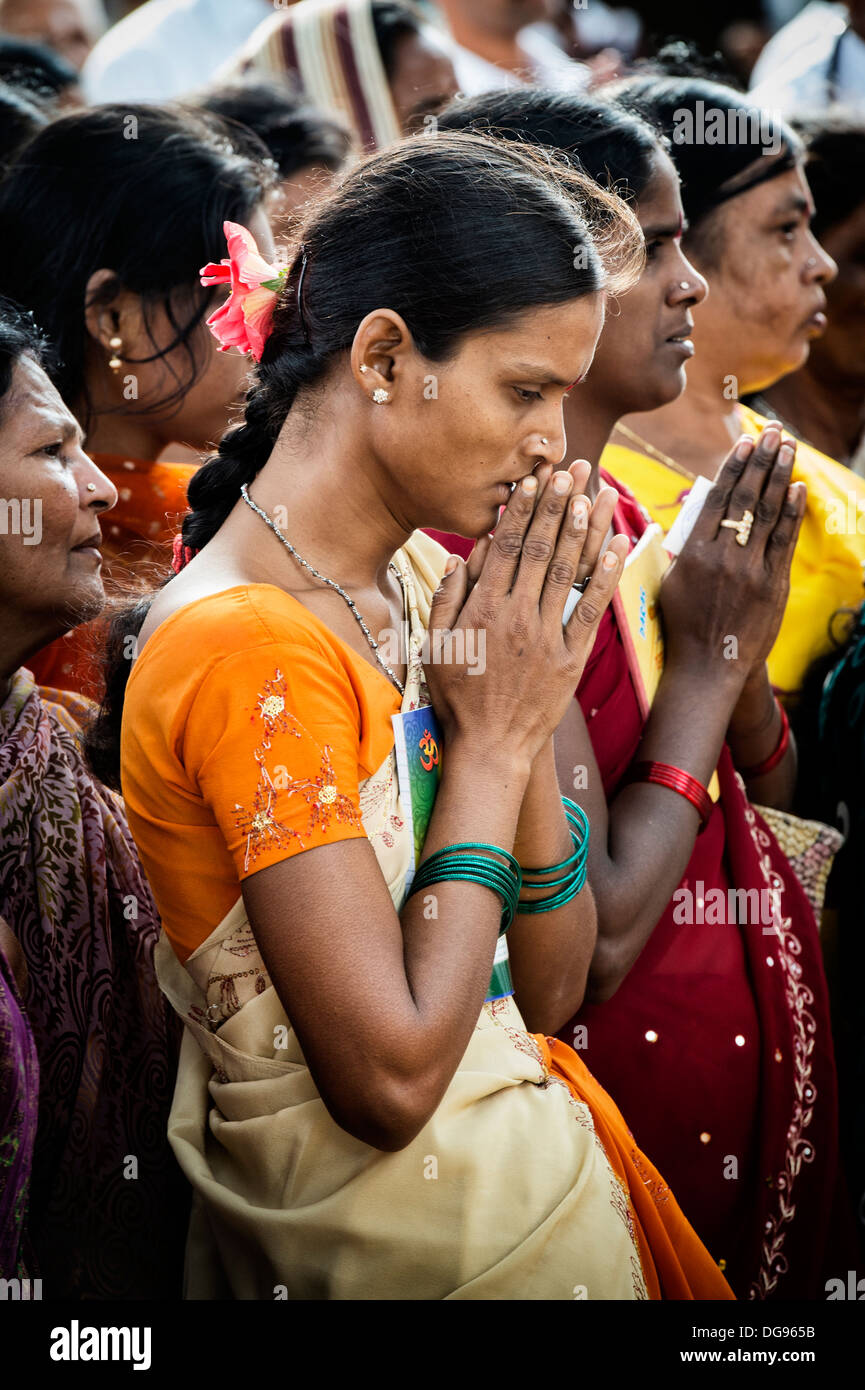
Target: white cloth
168,48
546,64
792,73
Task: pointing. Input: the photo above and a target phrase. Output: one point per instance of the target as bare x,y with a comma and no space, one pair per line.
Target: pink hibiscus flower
244,321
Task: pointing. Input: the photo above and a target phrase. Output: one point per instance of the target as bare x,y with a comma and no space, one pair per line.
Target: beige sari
506,1193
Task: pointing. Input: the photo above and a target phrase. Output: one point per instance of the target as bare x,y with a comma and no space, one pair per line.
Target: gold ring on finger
742,528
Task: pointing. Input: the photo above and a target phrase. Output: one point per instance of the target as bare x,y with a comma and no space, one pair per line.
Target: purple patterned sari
107,1212
19,1094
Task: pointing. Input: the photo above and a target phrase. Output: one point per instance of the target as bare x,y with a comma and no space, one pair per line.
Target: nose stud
684,285
91,487
545,441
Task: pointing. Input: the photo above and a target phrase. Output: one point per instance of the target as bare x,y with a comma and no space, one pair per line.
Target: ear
111,312
382,349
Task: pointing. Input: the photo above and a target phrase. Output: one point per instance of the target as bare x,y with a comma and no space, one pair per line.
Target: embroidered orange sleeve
272,742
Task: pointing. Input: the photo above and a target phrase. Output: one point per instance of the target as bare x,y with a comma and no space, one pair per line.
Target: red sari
717,1046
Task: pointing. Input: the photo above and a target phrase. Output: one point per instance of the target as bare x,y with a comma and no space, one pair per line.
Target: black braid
215,488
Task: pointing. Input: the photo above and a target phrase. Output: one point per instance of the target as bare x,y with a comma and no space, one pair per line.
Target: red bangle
768,764
663,775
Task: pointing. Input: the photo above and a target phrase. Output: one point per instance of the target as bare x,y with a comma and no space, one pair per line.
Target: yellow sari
827,570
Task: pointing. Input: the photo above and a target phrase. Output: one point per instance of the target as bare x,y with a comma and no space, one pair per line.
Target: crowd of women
335,961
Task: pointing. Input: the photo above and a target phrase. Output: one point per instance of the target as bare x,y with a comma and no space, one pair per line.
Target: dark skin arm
643,840
754,734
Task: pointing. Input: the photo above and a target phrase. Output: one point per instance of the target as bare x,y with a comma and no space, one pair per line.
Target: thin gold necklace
331,583
655,453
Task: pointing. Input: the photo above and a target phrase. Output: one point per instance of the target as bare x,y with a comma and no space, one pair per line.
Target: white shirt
168,48
793,72
546,64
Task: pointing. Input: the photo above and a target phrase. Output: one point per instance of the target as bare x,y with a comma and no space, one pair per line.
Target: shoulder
210,640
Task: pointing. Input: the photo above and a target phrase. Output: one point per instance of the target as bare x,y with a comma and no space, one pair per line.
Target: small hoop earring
379,395
91,487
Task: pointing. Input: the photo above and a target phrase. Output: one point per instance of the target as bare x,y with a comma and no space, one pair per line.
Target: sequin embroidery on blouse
261,825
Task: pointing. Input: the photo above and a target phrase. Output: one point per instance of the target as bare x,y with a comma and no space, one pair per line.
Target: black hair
19,336
456,233
296,134
35,68
711,169
20,118
140,190
615,147
835,151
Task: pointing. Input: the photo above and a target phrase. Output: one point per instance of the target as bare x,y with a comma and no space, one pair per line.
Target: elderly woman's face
50,565
767,281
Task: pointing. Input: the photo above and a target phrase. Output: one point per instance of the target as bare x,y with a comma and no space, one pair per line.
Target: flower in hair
245,319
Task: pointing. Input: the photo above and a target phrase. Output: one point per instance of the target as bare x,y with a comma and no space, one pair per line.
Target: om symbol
429,751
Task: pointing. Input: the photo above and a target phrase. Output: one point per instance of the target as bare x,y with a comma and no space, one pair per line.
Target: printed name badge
418,746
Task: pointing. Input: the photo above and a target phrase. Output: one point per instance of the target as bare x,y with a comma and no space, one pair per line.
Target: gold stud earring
379,395
114,362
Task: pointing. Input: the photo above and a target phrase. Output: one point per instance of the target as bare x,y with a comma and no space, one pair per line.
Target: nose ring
91,487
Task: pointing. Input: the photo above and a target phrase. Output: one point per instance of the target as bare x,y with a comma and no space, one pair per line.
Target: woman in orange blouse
348,1038
112,214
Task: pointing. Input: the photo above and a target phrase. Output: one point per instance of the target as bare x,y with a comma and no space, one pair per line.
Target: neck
828,414
114,425
329,504
699,428
21,636
133,436
588,426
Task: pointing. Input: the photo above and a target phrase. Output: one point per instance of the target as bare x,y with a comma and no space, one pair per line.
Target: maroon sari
717,1046
107,1204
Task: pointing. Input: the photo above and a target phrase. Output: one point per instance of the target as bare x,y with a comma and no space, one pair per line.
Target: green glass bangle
576,817
463,863
574,867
